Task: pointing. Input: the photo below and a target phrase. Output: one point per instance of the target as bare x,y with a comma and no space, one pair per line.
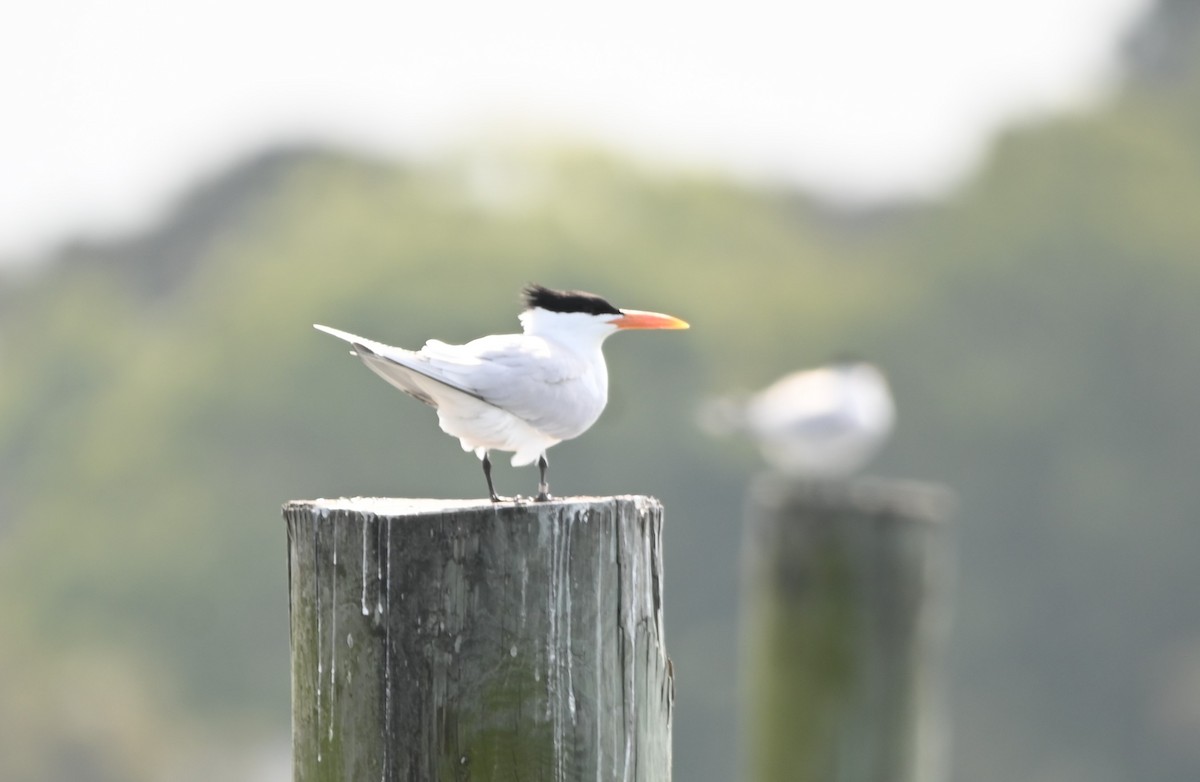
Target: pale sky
111,109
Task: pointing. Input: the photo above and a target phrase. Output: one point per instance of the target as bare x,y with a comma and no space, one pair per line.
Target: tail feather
400,368
371,346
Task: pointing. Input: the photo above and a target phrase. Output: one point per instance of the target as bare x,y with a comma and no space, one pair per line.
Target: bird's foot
518,499
543,494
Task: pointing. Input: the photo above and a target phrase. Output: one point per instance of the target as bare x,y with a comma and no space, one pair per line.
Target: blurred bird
824,423
515,392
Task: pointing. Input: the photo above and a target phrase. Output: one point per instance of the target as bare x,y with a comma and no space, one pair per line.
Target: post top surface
863,494
413,506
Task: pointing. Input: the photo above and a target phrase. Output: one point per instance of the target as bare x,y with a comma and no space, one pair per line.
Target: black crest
566,301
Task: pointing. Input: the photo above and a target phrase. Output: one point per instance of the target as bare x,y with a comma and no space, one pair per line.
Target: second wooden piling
845,599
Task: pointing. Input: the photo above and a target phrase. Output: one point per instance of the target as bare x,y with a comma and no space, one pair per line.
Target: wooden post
845,598
461,640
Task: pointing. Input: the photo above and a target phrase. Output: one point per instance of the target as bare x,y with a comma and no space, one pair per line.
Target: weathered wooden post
464,640
845,599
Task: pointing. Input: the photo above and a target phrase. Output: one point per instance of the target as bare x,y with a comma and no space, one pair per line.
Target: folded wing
519,374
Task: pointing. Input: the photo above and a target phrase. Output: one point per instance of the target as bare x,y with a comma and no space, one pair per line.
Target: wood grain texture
459,640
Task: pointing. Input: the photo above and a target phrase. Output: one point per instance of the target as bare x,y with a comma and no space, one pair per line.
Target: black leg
543,487
487,473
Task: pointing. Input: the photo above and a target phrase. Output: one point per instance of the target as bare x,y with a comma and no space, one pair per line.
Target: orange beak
636,319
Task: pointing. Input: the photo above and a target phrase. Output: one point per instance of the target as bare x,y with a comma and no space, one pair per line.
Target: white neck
578,331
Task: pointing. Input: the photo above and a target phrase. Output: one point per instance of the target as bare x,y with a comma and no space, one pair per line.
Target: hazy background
998,205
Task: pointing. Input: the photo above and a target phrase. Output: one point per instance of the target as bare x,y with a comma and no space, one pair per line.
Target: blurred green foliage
162,396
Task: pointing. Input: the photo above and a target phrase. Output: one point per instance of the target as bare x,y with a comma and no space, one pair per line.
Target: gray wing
826,425
521,375
525,376
813,405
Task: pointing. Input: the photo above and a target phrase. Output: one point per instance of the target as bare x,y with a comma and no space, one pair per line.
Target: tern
824,423
515,392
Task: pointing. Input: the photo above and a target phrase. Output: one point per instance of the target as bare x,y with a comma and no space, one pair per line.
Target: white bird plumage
515,392
825,423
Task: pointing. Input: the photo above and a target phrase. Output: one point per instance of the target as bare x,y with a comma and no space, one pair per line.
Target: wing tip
345,336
